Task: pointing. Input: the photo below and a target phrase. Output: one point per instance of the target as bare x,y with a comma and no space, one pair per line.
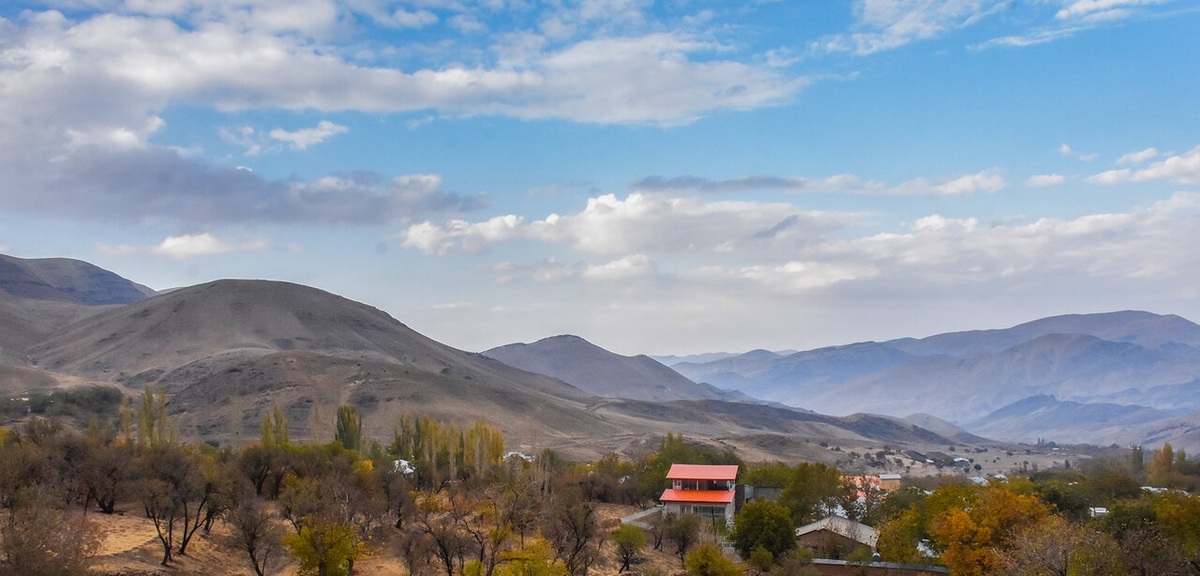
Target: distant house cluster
711,491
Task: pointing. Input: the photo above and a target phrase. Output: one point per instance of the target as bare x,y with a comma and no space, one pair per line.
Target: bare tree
573,530
38,539
257,533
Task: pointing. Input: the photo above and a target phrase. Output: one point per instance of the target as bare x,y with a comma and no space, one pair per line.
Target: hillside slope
602,373
227,352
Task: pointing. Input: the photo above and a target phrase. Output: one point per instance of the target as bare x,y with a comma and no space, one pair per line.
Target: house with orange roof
706,490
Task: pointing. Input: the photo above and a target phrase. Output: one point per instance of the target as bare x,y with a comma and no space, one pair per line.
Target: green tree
274,432
154,427
323,548
629,540
812,491
707,560
764,524
348,429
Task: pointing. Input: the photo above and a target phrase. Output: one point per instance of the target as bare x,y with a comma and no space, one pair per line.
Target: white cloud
640,223
890,24
913,280
1068,151
1138,157
1181,168
305,137
983,181
657,77
1100,9
191,246
623,268
1045,180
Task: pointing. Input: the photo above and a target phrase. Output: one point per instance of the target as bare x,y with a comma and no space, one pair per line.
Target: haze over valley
226,352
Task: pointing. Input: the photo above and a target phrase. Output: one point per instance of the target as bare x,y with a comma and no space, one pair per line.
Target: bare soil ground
131,548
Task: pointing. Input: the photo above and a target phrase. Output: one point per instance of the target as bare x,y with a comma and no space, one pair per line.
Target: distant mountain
1143,366
671,360
602,373
1071,422
226,352
66,280
39,296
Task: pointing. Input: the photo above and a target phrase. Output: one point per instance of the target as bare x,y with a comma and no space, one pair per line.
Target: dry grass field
130,547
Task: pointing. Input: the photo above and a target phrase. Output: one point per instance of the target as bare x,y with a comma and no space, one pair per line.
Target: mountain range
229,351
1125,377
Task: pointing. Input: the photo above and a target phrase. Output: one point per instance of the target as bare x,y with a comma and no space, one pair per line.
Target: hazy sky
657,177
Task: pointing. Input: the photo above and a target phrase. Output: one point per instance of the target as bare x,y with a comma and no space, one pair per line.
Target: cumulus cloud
639,223
1180,168
622,79
91,89
192,245
816,251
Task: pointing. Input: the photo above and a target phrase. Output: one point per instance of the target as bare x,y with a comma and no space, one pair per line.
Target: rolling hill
226,352
602,373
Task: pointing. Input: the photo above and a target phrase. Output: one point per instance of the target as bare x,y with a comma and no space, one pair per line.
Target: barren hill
66,280
227,352
602,373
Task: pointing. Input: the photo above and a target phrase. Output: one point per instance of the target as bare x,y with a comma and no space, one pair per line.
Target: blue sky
657,177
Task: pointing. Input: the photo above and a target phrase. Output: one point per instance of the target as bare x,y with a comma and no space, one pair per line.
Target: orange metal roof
702,472
697,496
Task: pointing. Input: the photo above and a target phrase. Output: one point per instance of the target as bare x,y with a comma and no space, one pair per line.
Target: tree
348,430
1057,547
107,470
323,548
169,486
811,492
707,560
37,539
274,431
763,524
154,427
978,521
629,540
256,533
1178,517
440,531
573,531
533,559
683,533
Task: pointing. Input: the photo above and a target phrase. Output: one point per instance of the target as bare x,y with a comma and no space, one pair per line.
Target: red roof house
705,490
